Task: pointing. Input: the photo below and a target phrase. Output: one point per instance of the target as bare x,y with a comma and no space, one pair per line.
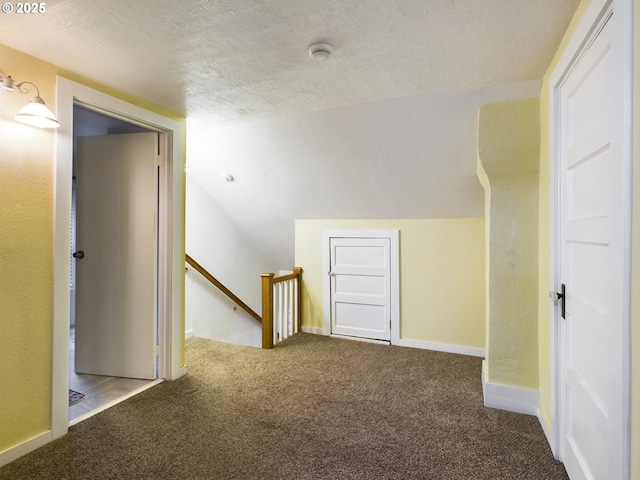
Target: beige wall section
27,159
544,230
508,154
442,285
26,256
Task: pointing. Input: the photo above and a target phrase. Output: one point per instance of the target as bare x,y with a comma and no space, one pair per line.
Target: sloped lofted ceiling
241,73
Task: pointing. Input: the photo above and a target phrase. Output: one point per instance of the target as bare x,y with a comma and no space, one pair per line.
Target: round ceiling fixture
320,51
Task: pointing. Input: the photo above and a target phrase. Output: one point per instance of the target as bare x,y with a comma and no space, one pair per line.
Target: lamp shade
37,114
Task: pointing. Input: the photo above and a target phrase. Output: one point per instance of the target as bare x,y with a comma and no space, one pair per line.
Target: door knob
560,296
79,255
555,296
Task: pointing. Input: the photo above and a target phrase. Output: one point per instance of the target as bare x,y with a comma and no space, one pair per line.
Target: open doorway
170,249
102,367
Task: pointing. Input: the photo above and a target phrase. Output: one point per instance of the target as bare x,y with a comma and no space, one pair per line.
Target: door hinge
156,350
158,160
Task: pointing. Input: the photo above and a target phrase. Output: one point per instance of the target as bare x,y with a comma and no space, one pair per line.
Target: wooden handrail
289,276
202,271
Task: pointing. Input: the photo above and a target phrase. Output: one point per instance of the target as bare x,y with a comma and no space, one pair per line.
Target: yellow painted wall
26,253
508,156
26,256
442,283
544,229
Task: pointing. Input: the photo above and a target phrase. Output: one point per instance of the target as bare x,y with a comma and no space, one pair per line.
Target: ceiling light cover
320,51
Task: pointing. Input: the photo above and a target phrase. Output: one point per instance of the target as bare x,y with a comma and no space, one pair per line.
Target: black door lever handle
560,296
79,255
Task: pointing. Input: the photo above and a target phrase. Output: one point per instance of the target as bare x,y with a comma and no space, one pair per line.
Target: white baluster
284,310
280,296
287,310
295,305
274,316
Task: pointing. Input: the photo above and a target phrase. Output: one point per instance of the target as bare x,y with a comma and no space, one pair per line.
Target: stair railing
280,302
218,284
280,306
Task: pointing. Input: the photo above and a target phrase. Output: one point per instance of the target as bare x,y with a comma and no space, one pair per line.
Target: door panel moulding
394,237
171,238
592,22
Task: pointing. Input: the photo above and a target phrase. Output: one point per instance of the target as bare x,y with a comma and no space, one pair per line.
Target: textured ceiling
307,138
229,59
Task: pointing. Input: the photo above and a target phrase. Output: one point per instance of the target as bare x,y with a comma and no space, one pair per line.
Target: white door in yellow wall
360,286
593,258
117,202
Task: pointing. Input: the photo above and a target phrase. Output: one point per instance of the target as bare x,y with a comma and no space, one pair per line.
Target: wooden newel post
267,310
298,272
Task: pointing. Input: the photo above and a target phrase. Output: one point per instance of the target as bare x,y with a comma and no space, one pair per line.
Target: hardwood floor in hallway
98,390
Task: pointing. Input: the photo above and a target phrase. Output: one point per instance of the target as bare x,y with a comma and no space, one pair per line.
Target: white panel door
592,254
360,287
117,202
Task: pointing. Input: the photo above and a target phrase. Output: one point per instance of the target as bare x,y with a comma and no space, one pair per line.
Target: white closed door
117,200
360,278
592,261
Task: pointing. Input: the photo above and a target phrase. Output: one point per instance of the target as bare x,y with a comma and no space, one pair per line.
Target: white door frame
394,239
171,235
597,11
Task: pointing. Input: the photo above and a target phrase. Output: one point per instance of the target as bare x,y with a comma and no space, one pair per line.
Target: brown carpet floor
313,408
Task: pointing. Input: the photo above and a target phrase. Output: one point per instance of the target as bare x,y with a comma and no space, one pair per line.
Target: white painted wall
407,157
215,242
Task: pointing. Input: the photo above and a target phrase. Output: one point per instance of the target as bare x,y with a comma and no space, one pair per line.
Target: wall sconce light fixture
33,113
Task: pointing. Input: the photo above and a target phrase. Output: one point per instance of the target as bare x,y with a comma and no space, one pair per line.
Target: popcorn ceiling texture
232,60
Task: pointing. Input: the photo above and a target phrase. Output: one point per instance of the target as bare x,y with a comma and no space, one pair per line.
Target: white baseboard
180,372
441,347
188,333
315,331
13,453
512,399
438,347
